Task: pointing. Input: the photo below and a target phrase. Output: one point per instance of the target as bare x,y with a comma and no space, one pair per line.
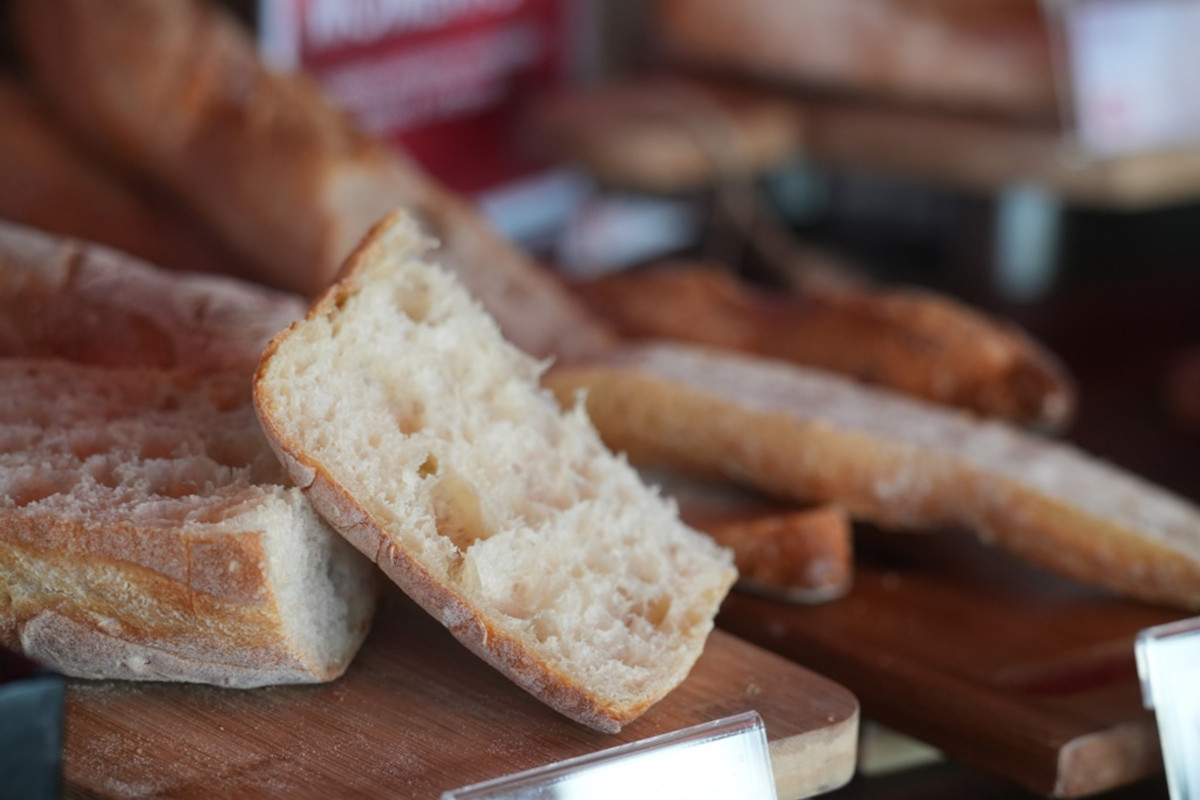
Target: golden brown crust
63,298
669,134
991,55
909,340
756,435
52,183
175,91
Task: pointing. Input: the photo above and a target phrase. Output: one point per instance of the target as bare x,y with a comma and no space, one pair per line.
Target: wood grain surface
997,664
417,715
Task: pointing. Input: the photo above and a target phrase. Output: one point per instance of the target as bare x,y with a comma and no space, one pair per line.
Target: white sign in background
1133,68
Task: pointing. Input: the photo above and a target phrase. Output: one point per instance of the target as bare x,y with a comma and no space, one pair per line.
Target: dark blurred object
1183,390
31,729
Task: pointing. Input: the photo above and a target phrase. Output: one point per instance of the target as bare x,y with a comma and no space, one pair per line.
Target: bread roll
424,438
175,91
811,436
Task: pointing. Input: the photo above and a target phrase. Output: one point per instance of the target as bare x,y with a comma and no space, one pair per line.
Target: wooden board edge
815,762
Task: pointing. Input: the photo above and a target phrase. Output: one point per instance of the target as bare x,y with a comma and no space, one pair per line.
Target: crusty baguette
989,55
174,90
68,298
146,534
50,182
783,551
424,438
907,339
900,463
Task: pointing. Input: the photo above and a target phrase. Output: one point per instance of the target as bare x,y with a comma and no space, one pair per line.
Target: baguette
424,438
147,531
968,55
810,436
48,181
174,91
787,553
910,340
67,298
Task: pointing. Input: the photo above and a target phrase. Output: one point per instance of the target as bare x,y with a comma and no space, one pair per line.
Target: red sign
447,80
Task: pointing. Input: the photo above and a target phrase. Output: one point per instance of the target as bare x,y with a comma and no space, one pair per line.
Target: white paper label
1169,666
1133,67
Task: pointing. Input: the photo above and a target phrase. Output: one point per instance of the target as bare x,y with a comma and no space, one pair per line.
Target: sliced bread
424,437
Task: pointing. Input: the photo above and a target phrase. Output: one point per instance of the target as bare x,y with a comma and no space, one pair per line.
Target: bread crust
898,463
69,298
978,55
906,339
174,90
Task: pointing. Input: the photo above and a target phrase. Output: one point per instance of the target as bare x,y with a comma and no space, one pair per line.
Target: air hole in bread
409,418
414,301
428,467
457,513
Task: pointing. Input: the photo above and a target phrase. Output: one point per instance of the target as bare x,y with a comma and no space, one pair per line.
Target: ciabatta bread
424,438
146,533
146,529
810,435
174,90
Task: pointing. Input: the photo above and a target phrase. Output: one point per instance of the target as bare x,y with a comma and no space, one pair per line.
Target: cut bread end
146,534
424,437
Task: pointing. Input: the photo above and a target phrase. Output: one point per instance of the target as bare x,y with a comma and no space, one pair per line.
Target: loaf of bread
50,182
174,90
990,55
424,438
910,340
669,134
795,554
805,434
147,532
66,298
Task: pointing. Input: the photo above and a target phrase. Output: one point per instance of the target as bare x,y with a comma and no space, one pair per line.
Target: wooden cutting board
999,665
417,715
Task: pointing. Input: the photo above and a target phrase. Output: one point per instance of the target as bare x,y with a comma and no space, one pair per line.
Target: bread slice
146,534
423,437
898,462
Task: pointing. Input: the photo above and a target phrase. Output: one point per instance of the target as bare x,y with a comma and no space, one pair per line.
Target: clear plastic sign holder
1168,661
712,761
1128,73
